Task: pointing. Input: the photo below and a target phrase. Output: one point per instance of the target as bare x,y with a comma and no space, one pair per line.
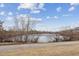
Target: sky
52,16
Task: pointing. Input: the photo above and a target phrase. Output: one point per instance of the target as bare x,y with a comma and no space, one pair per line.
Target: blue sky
52,16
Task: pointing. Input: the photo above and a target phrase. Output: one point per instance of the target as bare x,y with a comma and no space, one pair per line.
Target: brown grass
50,50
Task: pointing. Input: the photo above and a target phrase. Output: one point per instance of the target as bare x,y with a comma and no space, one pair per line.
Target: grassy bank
56,49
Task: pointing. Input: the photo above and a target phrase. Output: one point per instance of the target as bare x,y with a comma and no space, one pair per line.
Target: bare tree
24,25
1,25
1,31
35,38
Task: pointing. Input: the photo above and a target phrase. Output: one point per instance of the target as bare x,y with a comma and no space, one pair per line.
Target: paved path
13,47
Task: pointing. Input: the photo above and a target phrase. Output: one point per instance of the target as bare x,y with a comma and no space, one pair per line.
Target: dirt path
13,47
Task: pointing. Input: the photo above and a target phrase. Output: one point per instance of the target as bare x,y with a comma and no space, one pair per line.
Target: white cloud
33,7
48,17
75,24
55,17
22,15
44,27
9,18
36,19
8,23
59,9
1,5
65,15
19,16
41,6
71,9
31,18
27,6
2,13
10,13
35,11
74,4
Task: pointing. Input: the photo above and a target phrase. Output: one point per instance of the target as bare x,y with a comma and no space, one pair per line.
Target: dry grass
50,50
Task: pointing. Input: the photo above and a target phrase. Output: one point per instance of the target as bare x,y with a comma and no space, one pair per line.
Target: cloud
71,9
10,13
45,27
74,4
41,6
8,22
27,6
33,7
22,15
75,24
65,15
35,11
9,18
59,9
2,13
48,17
31,18
1,5
36,19
55,17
